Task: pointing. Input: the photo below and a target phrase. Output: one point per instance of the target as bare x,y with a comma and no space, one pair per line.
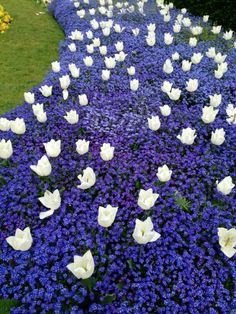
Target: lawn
27,49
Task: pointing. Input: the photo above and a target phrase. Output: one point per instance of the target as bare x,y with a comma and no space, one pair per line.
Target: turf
26,49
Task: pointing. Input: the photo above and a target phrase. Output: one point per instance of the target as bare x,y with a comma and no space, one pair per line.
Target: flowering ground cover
117,179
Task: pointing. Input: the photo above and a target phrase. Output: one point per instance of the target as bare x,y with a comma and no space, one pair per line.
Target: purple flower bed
184,271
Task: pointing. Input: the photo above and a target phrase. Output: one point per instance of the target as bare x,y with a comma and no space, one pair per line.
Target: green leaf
108,298
88,283
6,304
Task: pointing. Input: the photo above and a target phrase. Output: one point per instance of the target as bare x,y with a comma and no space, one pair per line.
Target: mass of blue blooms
184,271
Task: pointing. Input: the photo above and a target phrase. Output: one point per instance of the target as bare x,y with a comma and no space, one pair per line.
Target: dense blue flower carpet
117,172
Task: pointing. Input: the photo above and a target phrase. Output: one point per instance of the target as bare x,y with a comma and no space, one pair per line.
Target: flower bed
5,20
178,261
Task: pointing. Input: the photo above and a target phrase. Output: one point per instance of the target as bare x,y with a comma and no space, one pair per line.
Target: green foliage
27,49
182,202
6,304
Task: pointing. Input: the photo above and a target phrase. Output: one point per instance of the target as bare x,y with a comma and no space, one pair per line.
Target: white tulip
56,66
151,41
53,148
215,100
90,48
167,67
88,61
196,58
75,72
107,152
154,123
134,85
6,149
72,47
192,42
65,94
21,241
120,57
103,50
89,34
186,65
228,35
225,186
165,110
18,126
5,124
164,173
83,266
143,231
166,87
196,30
83,99
131,70
188,136
174,94
119,46
51,201
135,31
192,85
168,38
96,42
76,4
218,137
208,114
106,215
29,98
227,241
81,13
46,90
37,109
205,18
216,29
64,81
106,75
184,11
87,180
43,167
72,117
211,52
94,24
106,31
231,113
110,62
118,28
176,28
166,18
151,27
186,22
92,11
218,74
147,199
82,147
41,116
76,35
219,58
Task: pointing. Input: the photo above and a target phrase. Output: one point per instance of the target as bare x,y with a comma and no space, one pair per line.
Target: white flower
107,152
41,116
64,81
118,28
154,123
75,72
29,98
87,180
65,94
110,62
106,215
219,58
231,113
106,75
151,40
88,61
218,137
208,114
192,42
18,126
89,34
218,73
82,147
225,186
83,99
215,100
21,241
135,31
176,27
56,67
186,65
151,27
96,42
106,31
37,108
53,148
119,46
211,52
165,110
103,50
43,167
72,117
216,29
134,84
186,22
120,56
72,47
76,35
131,70
196,30
147,199
174,94
205,18
46,90
143,231
188,136
83,266
168,38
227,241
192,85
94,24
92,11
51,201
166,87
167,67
90,48
228,35
81,13
196,58
6,149
5,124
164,173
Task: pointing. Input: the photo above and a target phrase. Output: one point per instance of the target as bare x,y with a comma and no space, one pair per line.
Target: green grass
26,50
6,304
